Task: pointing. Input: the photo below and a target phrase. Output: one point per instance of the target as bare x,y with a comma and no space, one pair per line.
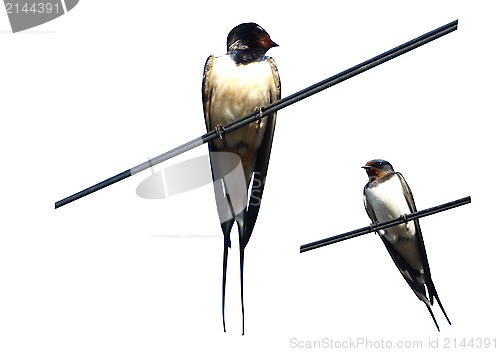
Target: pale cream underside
238,90
388,202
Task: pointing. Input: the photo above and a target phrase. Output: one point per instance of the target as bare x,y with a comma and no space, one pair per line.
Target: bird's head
377,169
249,36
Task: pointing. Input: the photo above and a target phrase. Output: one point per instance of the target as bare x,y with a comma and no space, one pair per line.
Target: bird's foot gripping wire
259,122
379,232
259,109
405,218
219,129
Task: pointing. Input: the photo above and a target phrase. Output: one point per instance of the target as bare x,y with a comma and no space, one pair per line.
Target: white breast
237,90
388,202
387,199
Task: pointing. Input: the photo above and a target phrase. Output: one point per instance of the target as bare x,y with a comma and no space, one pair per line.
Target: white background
112,83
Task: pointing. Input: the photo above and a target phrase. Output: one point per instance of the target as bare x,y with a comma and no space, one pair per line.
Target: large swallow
236,84
387,196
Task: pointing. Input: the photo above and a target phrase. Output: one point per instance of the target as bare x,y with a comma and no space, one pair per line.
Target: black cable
270,109
384,225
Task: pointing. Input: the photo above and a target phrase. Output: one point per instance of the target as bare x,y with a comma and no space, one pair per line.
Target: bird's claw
219,129
405,218
259,121
260,112
379,232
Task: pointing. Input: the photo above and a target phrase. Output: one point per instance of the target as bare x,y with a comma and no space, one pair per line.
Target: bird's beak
273,44
365,167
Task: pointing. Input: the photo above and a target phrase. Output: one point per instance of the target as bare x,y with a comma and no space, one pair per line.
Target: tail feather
433,293
441,306
243,242
224,269
226,229
242,251
432,315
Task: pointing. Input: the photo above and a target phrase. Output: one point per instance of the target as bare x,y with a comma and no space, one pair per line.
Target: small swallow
387,196
236,84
